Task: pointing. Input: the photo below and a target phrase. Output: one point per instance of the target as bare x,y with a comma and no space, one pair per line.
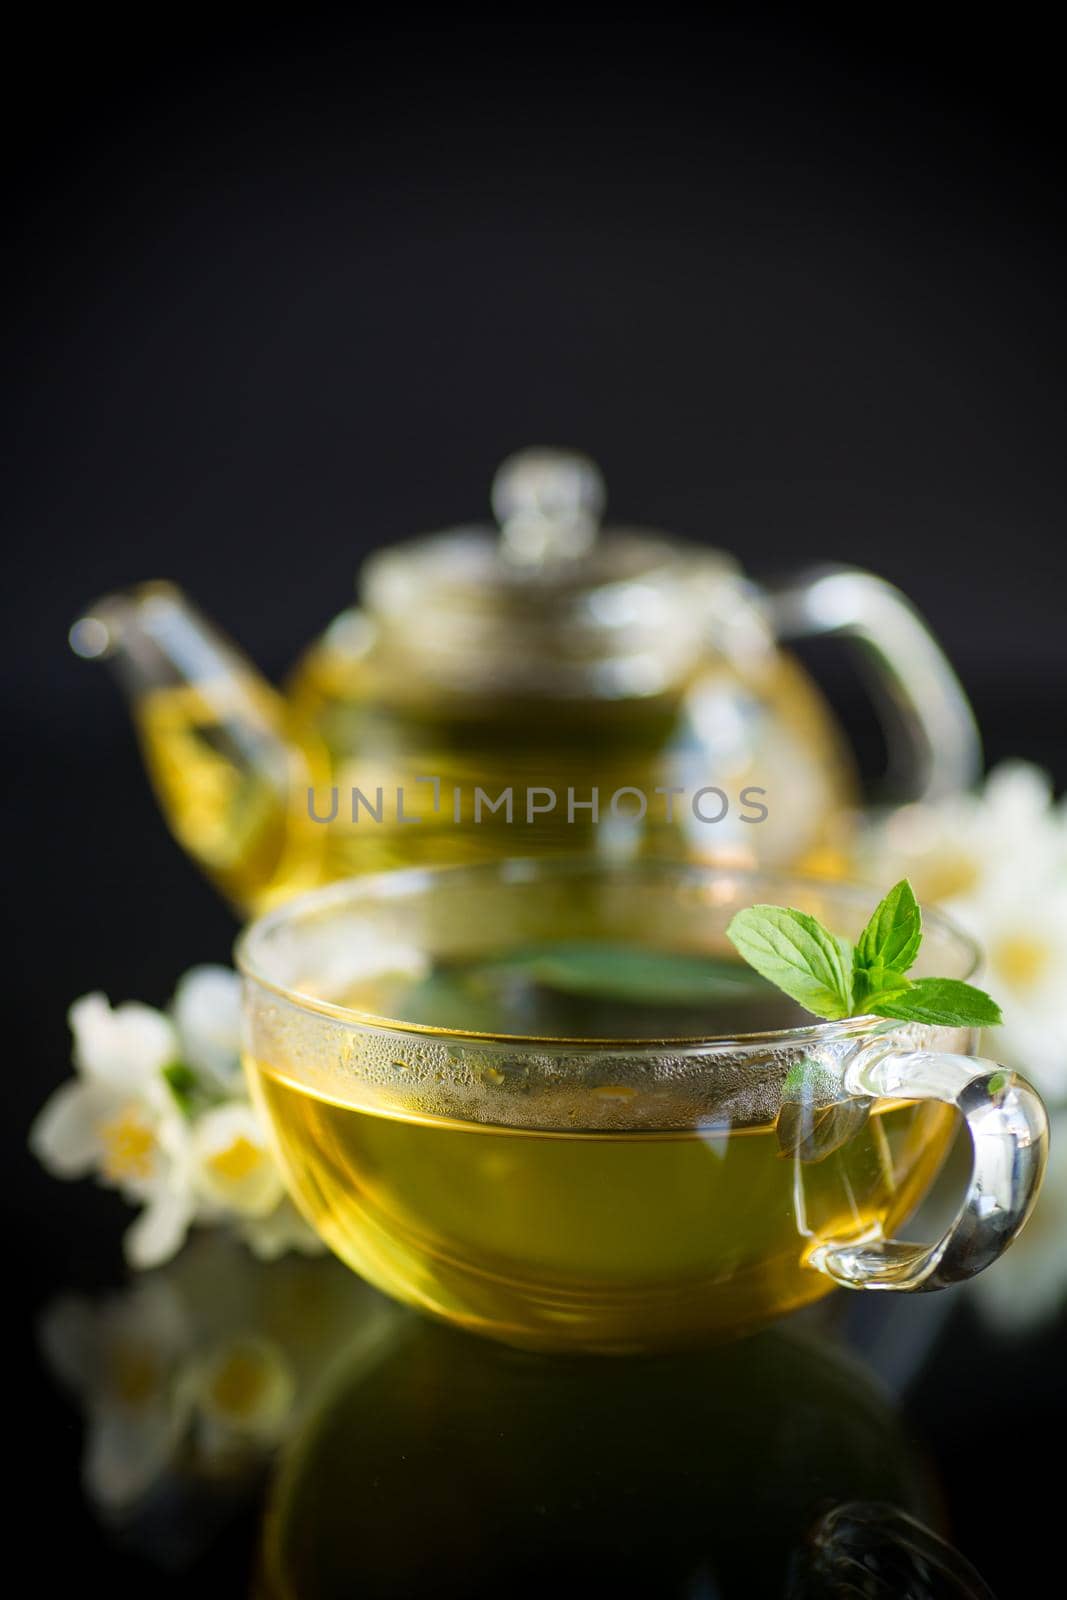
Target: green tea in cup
546,1102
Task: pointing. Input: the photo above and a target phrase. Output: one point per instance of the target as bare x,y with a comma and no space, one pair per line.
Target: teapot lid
549,595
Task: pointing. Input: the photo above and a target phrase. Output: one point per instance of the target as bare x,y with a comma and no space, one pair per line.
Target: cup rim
513,869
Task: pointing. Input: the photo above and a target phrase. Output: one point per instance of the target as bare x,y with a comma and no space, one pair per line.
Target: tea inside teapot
549,686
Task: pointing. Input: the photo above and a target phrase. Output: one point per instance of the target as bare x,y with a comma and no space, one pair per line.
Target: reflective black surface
286,1427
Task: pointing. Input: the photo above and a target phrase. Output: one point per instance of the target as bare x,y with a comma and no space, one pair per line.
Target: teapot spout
213,734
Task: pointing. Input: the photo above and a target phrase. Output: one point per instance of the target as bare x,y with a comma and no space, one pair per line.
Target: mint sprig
798,954
892,937
833,979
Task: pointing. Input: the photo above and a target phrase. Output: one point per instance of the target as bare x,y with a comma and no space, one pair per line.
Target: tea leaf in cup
583,986
632,973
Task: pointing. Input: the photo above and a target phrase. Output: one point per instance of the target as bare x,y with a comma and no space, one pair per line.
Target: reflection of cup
653,1170
454,1468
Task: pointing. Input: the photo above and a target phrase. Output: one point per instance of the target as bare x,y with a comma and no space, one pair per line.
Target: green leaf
943,1003
185,1087
633,973
541,987
894,933
816,1116
846,952
795,952
824,973
448,999
873,988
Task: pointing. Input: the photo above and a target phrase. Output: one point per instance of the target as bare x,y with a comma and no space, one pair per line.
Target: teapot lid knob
548,504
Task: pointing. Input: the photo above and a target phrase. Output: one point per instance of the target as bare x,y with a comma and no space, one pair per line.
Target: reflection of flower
241,1394
158,1110
122,1359
203,1367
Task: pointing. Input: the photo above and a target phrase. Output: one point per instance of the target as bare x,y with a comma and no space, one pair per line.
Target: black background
286,289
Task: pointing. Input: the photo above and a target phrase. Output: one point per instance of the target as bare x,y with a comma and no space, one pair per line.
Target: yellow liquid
381,728
229,781
232,764
598,1240
607,1241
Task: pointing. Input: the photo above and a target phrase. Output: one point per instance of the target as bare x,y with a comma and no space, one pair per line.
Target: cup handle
933,739
1008,1126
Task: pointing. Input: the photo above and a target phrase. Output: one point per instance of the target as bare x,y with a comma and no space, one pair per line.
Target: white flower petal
997,862
65,1134
1018,792
125,1047
88,1018
207,1014
159,1232
235,1167
1036,1047
969,845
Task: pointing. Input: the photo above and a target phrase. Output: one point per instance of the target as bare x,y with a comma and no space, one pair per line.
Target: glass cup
542,1101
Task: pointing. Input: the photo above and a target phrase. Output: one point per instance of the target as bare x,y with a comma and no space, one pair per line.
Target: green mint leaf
630,972
823,973
942,1002
874,987
892,937
795,952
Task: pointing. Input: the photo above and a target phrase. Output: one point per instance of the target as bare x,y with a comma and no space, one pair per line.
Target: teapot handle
933,735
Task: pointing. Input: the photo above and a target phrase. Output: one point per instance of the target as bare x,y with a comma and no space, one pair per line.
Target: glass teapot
546,686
